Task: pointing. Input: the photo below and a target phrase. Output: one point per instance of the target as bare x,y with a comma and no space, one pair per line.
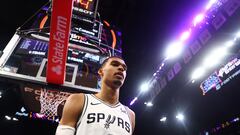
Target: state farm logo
59,39
57,69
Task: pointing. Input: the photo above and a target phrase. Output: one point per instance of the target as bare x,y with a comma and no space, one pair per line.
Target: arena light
238,35
199,18
229,44
154,74
193,81
236,119
198,73
174,50
162,64
57,120
180,117
148,104
144,87
163,119
185,35
40,116
15,119
134,100
220,52
214,57
210,3
7,117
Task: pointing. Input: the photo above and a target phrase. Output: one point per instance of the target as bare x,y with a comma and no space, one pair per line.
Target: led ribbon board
59,36
222,76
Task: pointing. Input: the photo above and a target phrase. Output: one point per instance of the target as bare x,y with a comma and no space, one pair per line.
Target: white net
50,101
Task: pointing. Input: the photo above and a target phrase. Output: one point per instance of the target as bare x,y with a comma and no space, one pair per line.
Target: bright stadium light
198,73
209,5
148,104
193,81
163,119
214,57
144,87
229,44
174,50
238,35
134,100
199,18
40,116
7,117
180,117
57,120
185,35
154,74
15,119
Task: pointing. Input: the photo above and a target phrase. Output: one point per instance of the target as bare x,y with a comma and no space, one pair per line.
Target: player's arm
71,112
132,118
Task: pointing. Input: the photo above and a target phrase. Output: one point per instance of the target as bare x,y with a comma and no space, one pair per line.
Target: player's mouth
119,74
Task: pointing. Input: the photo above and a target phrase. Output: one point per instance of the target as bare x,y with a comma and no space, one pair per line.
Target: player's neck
109,95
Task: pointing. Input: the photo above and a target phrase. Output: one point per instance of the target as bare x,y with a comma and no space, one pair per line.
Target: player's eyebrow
119,63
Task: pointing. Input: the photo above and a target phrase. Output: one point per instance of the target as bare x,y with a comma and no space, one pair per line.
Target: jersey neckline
112,106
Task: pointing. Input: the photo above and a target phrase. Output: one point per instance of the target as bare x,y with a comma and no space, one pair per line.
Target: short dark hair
107,58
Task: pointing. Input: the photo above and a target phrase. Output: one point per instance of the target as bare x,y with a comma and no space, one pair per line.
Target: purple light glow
119,33
236,119
133,101
162,64
198,19
209,5
185,35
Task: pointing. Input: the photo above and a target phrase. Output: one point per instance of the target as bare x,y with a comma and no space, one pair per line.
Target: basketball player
101,113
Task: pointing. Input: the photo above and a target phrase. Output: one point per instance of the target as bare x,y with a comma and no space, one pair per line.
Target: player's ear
100,72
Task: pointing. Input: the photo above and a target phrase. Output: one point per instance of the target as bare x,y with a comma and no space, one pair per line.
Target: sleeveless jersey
100,118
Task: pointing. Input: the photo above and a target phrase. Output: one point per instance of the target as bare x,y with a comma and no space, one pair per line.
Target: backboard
24,62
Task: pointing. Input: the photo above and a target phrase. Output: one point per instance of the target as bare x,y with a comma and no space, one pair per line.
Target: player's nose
120,68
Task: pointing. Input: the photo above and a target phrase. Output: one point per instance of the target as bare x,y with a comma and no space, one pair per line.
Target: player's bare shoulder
76,102
132,117
76,98
72,109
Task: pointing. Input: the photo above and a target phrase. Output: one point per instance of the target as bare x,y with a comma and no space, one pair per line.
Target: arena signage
84,31
22,112
87,12
229,67
85,7
59,39
222,76
78,38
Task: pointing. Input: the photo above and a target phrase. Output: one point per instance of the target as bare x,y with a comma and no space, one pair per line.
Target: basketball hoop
50,100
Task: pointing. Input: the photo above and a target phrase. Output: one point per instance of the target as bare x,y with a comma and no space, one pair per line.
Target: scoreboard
85,8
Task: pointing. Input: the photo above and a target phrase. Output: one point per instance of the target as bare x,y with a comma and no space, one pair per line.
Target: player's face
113,73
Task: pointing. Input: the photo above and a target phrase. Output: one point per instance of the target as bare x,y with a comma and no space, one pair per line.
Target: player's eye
115,64
124,67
